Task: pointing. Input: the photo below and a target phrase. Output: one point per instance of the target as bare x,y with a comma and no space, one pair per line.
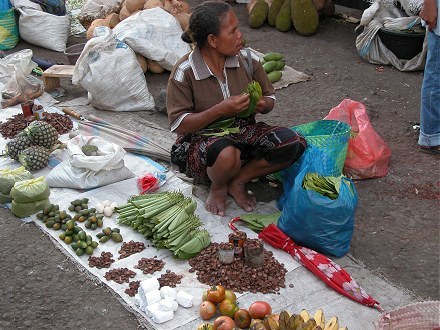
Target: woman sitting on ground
206,86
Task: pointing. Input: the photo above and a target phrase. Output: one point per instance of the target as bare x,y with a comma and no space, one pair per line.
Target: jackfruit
304,16
274,9
258,14
283,21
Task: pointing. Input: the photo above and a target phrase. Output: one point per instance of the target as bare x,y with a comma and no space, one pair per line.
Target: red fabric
147,183
328,271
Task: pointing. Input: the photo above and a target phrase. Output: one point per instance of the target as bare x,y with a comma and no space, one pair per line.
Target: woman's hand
429,14
264,105
235,104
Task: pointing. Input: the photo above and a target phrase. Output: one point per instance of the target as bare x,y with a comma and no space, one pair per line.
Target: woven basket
421,316
331,138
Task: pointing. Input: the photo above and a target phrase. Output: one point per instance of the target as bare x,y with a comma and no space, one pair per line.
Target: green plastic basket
331,138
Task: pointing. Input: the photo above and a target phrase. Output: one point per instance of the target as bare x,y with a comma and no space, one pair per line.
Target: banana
332,324
271,323
319,318
305,315
317,328
283,320
309,325
295,321
344,328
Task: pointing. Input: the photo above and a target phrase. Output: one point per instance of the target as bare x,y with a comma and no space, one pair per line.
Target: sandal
435,150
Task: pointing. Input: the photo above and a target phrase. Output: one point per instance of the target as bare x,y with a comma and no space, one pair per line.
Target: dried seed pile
119,275
237,276
129,248
150,265
169,279
14,125
133,288
104,261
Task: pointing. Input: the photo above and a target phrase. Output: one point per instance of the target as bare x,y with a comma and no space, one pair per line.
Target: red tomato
224,323
242,318
216,294
230,295
207,310
228,308
259,309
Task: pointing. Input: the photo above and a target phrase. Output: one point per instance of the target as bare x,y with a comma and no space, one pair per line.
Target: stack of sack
160,303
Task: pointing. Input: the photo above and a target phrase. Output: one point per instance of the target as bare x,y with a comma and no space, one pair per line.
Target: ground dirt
397,219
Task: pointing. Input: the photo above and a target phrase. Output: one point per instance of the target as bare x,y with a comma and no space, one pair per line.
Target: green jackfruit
283,21
304,16
274,9
258,14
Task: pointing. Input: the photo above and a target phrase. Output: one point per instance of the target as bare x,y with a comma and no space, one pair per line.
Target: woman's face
230,39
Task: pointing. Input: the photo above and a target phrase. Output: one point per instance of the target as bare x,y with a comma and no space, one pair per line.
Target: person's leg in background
429,138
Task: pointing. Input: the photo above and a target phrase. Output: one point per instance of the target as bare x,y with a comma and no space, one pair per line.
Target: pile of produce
273,63
8,178
178,8
303,15
168,220
33,145
17,123
238,276
222,304
29,196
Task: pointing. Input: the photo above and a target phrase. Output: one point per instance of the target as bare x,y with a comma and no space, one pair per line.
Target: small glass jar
226,253
253,253
27,109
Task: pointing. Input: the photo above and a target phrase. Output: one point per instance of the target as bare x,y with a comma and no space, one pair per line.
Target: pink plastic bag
368,156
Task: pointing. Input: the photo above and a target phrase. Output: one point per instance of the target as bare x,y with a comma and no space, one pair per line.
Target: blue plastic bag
316,221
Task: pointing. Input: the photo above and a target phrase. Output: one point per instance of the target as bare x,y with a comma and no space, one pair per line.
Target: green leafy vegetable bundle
168,220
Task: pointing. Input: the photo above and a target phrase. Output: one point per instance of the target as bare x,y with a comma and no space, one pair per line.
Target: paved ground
397,219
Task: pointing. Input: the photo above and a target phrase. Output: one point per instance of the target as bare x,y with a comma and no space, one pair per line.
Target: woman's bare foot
216,201
241,196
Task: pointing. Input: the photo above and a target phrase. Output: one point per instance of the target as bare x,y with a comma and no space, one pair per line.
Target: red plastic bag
368,156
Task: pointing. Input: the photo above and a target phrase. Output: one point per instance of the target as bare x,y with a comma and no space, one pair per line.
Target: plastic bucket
73,52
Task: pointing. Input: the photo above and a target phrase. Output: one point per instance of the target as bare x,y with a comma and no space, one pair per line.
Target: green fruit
116,237
84,200
274,9
68,239
88,239
82,235
274,76
107,231
75,237
280,65
100,222
50,223
62,236
40,216
74,246
283,22
47,209
71,208
99,235
82,244
56,226
89,250
88,225
69,232
77,229
117,230
104,239
70,224
93,226
270,66
304,16
63,227
79,252
258,14
94,244
272,56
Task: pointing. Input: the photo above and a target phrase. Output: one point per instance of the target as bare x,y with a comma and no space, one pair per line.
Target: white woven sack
155,34
86,172
43,29
108,69
111,155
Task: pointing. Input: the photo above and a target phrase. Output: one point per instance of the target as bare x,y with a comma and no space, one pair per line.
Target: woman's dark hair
205,20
